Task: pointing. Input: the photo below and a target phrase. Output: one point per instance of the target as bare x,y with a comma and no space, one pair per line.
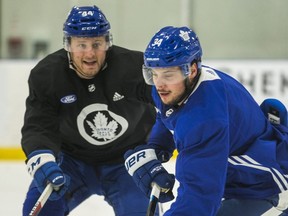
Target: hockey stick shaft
161,210
42,200
154,197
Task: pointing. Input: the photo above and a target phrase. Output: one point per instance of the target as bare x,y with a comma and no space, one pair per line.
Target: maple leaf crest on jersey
99,126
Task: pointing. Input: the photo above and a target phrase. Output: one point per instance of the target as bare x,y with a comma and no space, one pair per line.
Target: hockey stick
153,199
161,210
42,200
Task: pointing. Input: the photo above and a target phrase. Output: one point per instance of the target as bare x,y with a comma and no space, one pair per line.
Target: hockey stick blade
42,200
154,197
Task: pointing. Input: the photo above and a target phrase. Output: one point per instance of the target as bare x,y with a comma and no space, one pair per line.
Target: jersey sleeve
201,168
40,129
161,139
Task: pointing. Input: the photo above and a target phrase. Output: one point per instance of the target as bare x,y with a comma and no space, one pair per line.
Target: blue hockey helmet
170,47
86,21
173,46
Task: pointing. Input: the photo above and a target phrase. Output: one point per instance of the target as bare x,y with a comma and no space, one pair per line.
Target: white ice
15,180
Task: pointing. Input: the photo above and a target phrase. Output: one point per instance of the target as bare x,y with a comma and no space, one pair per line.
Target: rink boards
262,78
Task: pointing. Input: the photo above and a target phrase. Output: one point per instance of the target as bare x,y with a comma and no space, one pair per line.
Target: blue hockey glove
275,111
142,164
43,168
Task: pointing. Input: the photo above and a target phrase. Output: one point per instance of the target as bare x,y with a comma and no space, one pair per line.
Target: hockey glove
43,168
142,164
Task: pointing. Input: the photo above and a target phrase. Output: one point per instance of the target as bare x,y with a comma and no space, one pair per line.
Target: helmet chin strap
189,87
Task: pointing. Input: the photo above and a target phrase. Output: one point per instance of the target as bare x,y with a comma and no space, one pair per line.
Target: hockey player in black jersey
88,104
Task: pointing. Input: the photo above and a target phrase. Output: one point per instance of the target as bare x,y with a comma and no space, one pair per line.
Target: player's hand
142,164
43,168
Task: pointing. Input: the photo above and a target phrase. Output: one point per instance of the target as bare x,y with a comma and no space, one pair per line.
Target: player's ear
193,71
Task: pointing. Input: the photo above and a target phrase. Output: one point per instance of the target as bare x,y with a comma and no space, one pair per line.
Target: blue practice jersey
226,146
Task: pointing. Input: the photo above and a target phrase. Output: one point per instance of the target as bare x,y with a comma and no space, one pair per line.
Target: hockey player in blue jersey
231,159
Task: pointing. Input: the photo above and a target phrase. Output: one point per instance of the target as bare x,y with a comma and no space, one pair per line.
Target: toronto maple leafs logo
99,126
184,35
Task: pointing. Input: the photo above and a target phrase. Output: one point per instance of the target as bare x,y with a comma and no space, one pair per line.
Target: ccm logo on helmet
89,28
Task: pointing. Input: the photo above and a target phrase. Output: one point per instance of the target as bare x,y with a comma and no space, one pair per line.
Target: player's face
88,55
169,83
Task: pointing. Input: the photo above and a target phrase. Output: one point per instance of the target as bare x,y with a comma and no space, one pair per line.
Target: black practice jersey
95,120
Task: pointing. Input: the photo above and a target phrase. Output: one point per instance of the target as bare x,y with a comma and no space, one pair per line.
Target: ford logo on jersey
68,99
